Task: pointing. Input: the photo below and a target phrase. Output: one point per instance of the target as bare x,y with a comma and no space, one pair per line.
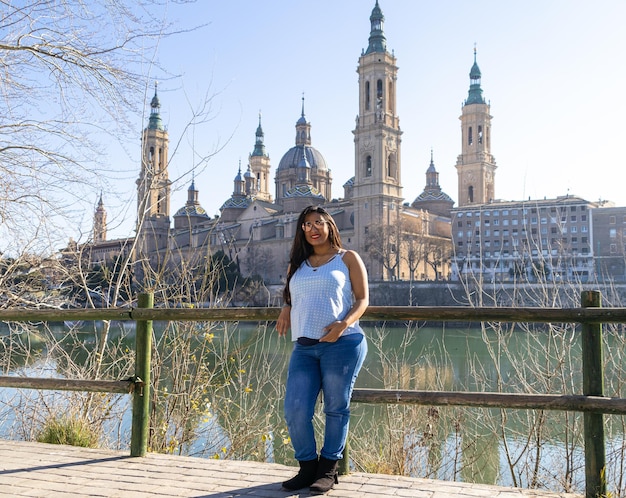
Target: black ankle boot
326,476
305,476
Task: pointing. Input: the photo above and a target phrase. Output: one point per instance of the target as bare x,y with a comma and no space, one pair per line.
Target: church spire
155,122
100,223
432,177
433,198
259,146
240,184
475,95
257,178
377,41
303,129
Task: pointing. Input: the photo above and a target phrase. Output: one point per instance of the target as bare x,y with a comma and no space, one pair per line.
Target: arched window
367,95
470,138
470,194
391,166
390,98
480,134
368,166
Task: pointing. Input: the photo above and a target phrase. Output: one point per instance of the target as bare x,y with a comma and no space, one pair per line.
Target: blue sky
553,71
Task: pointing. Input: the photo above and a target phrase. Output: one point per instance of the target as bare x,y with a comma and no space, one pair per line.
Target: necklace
321,259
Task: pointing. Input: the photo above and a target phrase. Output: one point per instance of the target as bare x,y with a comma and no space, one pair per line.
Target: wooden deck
53,471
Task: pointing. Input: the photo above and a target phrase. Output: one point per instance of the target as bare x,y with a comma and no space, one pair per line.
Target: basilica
483,237
397,240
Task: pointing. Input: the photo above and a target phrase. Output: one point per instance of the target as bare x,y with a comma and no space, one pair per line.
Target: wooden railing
591,402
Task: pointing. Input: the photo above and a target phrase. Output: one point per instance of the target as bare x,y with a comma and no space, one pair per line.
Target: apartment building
510,241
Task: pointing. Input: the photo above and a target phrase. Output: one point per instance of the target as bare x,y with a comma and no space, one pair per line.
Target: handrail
373,313
97,386
564,402
592,403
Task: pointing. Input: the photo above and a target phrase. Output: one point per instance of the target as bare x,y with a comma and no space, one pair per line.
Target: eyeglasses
307,226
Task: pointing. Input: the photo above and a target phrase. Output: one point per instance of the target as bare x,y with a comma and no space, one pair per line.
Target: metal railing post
593,385
141,394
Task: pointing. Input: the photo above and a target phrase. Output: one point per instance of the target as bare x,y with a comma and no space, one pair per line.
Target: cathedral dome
192,208
293,157
302,149
433,198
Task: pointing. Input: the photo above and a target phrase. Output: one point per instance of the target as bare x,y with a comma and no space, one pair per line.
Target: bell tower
377,191
153,185
259,162
100,223
475,165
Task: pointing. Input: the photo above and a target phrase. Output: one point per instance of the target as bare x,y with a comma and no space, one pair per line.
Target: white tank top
319,297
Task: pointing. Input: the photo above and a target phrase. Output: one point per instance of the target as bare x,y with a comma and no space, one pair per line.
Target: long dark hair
301,249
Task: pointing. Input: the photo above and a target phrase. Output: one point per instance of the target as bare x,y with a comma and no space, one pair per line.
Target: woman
325,295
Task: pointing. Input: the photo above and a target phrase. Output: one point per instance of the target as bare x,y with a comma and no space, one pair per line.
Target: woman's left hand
334,331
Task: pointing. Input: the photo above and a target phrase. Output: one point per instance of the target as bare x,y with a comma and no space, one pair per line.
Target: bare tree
70,84
438,254
384,246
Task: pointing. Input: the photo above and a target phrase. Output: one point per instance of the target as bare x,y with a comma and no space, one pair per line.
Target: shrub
72,431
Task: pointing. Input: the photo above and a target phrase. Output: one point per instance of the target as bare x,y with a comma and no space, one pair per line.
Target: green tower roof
377,41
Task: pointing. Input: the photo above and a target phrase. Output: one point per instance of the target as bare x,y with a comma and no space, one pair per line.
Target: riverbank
449,293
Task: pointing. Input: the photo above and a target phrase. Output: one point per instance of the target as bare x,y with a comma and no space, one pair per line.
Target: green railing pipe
141,394
593,385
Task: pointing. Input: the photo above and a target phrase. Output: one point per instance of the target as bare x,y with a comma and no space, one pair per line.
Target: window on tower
480,134
470,138
367,95
368,166
391,166
470,194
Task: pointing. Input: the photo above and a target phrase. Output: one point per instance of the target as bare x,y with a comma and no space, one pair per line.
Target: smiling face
316,231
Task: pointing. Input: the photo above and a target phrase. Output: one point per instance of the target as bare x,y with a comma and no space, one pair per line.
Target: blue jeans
331,368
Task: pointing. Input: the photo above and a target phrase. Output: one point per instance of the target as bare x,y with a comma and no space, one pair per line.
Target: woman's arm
284,319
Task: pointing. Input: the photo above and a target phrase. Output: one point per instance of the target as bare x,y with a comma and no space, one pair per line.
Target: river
227,380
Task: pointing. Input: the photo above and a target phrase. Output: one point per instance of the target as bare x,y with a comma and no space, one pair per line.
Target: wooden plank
579,403
100,386
206,314
61,315
373,313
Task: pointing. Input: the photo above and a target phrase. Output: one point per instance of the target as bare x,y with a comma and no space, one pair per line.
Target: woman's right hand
284,321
